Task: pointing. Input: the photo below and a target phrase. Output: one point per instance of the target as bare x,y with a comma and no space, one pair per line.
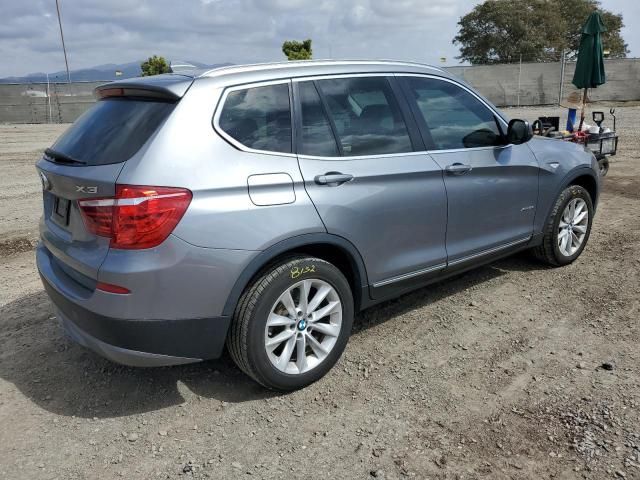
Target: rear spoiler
169,87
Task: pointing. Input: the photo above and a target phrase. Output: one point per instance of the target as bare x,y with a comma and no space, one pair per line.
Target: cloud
215,31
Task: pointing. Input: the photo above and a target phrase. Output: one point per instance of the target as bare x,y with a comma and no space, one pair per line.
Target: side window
454,117
259,117
317,137
366,115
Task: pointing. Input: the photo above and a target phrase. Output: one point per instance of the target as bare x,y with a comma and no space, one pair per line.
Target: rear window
112,131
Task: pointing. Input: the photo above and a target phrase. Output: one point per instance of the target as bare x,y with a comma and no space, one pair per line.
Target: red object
580,137
110,288
138,216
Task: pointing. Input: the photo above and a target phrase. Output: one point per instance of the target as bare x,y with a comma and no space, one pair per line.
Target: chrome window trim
233,141
362,157
333,76
472,149
290,81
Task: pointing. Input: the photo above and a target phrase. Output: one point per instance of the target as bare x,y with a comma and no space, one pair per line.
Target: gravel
498,373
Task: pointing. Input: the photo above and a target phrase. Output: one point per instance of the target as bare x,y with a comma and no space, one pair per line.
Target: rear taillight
138,216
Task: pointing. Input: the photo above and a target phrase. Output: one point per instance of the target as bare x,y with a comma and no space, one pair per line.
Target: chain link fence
514,84
522,84
45,103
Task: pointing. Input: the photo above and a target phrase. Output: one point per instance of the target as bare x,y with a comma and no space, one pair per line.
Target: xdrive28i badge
46,184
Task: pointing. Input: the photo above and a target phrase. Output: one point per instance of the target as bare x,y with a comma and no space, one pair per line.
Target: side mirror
519,131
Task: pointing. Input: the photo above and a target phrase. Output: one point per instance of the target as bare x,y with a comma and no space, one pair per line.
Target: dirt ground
511,371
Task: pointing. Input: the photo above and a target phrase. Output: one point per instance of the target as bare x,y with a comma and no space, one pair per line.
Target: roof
304,68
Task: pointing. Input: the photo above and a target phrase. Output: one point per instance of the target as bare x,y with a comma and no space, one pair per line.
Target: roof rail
310,64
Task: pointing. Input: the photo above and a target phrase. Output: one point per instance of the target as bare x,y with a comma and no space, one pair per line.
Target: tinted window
259,117
367,118
454,117
317,137
112,131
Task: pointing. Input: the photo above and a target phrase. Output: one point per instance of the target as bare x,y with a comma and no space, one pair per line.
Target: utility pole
64,49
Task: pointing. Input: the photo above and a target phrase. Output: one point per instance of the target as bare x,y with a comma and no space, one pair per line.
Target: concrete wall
28,103
539,85
540,82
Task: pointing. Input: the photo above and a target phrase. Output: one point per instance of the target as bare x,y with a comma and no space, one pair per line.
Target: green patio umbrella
590,66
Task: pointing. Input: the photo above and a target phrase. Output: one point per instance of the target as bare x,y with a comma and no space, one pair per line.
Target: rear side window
113,130
366,116
455,118
317,137
259,117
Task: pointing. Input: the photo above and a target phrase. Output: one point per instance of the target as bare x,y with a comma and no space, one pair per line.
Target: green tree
295,50
154,66
499,31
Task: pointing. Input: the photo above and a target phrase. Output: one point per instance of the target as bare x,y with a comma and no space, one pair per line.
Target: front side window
454,118
259,117
366,116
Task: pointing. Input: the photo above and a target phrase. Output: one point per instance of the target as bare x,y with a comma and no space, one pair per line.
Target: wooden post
584,103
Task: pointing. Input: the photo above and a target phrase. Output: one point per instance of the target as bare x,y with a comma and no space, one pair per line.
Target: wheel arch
332,248
589,183
578,176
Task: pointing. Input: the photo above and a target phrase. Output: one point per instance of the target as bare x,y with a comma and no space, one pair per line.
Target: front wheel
292,324
568,227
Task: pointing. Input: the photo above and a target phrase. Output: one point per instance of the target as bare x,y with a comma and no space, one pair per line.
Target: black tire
549,251
603,164
246,337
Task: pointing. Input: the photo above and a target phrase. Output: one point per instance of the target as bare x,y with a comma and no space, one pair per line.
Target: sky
237,31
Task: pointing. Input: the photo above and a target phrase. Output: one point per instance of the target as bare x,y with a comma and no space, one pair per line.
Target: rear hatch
86,160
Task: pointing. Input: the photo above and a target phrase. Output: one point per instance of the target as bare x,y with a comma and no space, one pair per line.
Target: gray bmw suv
259,207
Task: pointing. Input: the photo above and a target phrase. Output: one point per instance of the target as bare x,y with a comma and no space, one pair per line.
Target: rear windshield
112,131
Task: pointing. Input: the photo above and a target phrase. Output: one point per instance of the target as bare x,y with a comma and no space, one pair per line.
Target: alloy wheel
303,326
573,225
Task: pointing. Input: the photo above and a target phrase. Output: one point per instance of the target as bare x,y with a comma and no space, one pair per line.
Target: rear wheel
568,227
292,324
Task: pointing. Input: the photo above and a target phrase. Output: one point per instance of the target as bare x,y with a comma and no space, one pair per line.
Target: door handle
457,169
333,179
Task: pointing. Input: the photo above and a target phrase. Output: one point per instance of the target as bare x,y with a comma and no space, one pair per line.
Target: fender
569,177
266,256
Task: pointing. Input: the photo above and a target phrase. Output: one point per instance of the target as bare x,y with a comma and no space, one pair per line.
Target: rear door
492,187
85,163
360,158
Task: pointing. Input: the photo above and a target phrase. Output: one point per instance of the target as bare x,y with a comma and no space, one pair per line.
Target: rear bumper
124,356
136,342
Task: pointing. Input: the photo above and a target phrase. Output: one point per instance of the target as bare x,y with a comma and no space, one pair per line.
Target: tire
551,250
278,368
603,164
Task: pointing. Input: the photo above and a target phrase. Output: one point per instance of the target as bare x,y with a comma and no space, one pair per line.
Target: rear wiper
61,157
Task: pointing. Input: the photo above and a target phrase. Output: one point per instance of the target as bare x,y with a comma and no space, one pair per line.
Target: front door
369,185
492,188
